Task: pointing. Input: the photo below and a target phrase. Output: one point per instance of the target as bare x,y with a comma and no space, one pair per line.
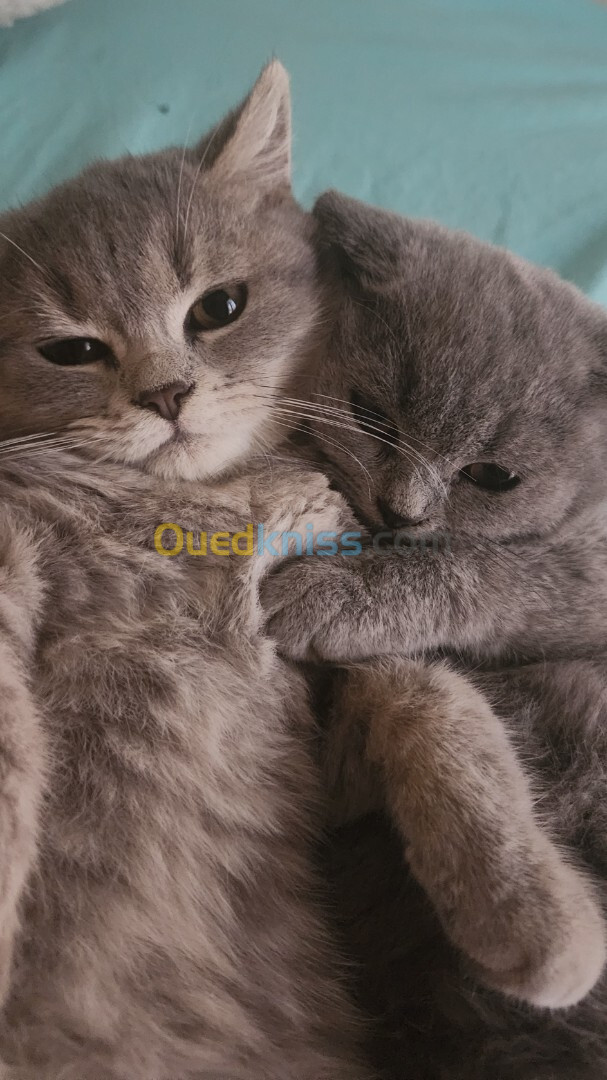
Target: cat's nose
167,401
394,520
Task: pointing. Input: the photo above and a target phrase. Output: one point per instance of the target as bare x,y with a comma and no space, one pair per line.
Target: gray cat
465,393
161,914
159,795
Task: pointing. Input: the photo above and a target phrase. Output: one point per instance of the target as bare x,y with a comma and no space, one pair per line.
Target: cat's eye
217,308
491,477
72,352
370,418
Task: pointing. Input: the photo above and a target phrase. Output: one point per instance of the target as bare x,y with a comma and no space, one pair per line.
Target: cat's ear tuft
253,143
366,242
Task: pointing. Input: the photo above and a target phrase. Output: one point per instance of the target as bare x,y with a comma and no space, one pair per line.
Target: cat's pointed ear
366,242
253,143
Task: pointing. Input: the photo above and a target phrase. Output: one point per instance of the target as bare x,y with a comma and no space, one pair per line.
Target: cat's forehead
123,239
449,312
463,344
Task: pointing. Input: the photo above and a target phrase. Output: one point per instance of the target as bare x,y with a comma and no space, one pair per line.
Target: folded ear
253,142
366,241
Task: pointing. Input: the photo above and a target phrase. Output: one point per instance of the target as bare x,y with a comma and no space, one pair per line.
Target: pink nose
167,401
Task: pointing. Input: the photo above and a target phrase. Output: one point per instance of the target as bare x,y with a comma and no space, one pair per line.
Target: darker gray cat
468,391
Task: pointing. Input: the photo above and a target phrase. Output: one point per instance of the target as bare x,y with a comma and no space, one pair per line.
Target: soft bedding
491,116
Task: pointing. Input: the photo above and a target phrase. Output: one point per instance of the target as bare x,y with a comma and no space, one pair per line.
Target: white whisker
195,181
408,452
178,206
24,253
36,448
332,442
370,412
14,440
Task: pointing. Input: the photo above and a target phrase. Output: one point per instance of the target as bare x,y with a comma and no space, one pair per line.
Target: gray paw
565,966
312,606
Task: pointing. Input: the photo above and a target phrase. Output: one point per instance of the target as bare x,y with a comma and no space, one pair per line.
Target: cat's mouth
188,455
178,439
181,437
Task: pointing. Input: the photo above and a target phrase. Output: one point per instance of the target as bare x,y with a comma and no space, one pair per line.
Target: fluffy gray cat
465,394
159,794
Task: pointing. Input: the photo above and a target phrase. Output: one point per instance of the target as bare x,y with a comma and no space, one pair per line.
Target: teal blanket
490,115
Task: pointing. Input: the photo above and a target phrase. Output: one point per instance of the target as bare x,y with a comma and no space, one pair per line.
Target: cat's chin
190,459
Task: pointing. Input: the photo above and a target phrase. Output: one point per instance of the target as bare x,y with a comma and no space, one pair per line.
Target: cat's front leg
344,608
22,756
316,609
526,919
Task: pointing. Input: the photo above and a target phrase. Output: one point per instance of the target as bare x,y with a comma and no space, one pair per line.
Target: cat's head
167,299
471,381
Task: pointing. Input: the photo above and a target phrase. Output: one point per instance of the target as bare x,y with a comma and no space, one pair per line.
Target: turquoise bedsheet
486,114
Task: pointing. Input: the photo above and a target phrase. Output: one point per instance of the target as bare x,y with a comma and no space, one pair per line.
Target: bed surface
490,115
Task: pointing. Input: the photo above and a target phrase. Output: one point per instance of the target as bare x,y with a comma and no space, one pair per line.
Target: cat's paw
576,961
570,960
314,608
292,500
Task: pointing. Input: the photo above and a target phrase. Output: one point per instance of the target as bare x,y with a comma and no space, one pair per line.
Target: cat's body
467,389
171,926
161,918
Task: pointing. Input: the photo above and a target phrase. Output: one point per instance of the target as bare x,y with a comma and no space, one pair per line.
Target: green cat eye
217,308
491,477
73,352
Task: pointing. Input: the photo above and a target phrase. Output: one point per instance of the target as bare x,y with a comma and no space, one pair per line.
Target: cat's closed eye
371,419
491,477
76,351
216,308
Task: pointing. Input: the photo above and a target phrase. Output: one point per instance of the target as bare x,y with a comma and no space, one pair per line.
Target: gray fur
159,794
469,354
